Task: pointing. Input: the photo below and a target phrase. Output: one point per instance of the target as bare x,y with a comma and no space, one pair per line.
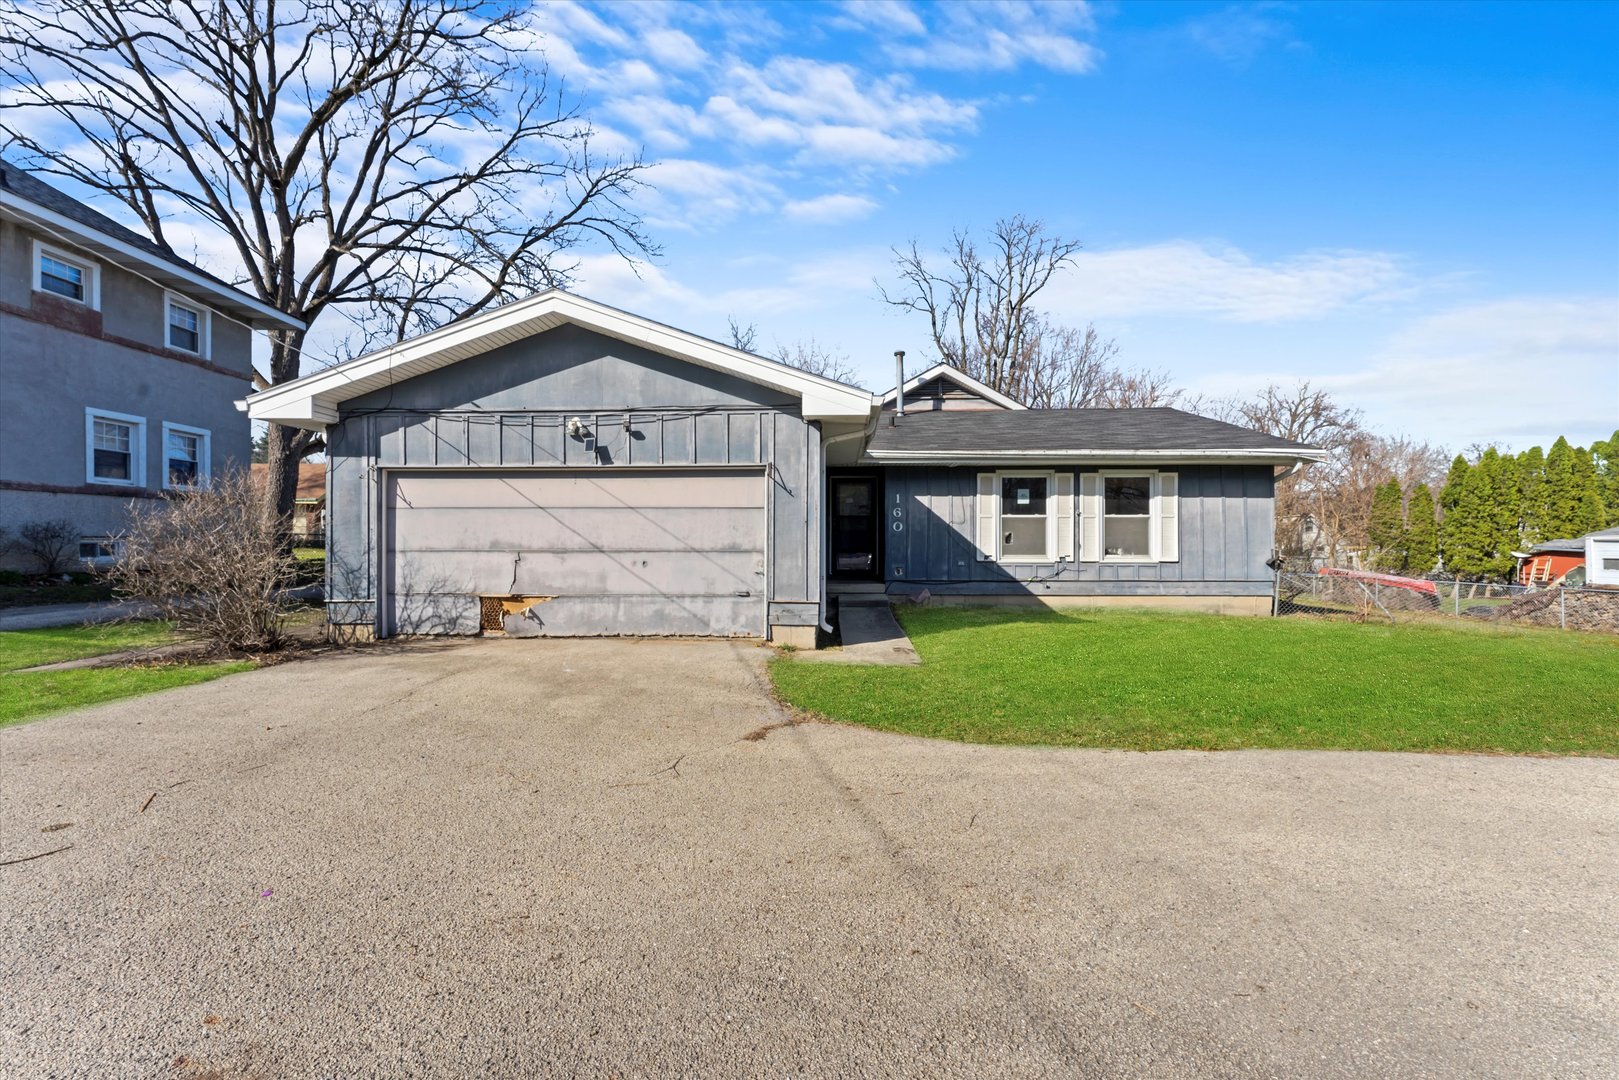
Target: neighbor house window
1024,518
62,274
188,326
185,456
1127,517
113,447
98,549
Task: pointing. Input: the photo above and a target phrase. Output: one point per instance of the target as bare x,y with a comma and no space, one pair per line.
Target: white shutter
987,518
1065,516
1169,523
1090,517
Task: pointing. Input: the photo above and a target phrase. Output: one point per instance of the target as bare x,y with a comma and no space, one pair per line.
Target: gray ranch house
559,467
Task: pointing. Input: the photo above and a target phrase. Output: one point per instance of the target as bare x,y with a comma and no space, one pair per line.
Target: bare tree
742,337
980,307
807,356
211,562
51,544
1065,367
1324,510
408,162
812,357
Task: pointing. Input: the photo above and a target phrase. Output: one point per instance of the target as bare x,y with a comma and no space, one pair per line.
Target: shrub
213,561
53,545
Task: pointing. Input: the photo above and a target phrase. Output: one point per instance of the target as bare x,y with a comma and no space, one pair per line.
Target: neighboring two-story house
120,366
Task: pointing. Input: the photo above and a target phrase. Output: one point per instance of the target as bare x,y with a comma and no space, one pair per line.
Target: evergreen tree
1422,533
1385,532
1588,511
1450,497
1505,501
1454,480
1605,453
1562,513
1532,498
1481,524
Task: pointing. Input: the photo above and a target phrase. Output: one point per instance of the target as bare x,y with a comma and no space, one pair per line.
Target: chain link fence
1353,594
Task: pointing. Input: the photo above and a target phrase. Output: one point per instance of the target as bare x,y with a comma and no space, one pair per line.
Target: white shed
1602,558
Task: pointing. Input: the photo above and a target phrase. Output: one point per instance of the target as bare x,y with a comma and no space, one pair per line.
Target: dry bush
213,562
51,544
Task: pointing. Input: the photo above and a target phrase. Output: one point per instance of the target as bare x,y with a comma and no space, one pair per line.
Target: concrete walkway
871,635
41,616
95,611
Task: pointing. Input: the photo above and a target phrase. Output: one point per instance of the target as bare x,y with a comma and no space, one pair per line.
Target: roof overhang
1280,456
961,379
313,401
256,313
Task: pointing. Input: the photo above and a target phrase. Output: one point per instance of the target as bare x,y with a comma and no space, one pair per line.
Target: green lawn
25,696
1150,681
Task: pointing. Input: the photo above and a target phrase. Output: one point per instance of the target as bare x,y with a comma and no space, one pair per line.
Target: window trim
91,268
205,325
1050,556
204,454
112,542
1154,516
137,447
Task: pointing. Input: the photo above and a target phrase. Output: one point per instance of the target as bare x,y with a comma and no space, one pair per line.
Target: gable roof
1075,435
312,401
66,219
960,378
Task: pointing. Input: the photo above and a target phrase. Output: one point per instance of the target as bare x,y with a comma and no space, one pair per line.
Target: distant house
1592,559
120,366
1602,558
309,502
1548,563
559,467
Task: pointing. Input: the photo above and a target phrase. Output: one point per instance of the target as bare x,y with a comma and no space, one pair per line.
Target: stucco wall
1226,515
509,409
57,358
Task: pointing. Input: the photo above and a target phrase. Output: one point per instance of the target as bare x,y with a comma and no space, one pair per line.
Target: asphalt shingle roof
37,191
992,431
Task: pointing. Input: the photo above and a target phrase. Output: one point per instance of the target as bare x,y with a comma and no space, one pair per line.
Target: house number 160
899,516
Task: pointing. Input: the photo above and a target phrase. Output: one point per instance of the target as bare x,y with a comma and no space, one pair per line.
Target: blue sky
1414,205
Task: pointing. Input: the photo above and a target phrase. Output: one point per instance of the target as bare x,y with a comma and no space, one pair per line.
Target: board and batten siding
1226,532
509,409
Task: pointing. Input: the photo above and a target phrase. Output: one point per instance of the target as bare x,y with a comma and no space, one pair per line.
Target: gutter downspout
864,433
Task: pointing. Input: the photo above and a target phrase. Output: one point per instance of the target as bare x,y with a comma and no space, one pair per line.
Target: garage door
670,552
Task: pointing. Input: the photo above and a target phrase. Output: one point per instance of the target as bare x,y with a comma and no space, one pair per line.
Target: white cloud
829,209
1464,370
1516,371
1004,36
674,49
1237,35
1182,277
881,16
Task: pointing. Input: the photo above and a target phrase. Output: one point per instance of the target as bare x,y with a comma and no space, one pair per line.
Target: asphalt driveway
537,858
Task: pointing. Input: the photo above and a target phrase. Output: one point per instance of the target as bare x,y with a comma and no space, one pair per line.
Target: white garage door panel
518,490
577,529
676,552
579,573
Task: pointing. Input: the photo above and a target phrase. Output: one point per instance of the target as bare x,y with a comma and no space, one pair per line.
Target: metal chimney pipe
899,383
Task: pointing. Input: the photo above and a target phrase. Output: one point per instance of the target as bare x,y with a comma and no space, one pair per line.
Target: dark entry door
855,527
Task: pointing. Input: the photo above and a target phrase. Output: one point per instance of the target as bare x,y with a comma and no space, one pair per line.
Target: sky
1415,206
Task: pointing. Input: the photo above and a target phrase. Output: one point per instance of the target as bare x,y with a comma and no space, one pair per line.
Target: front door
855,527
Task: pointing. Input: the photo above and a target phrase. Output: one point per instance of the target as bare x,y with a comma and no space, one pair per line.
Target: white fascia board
1014,457
113,249
961,379
319,394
